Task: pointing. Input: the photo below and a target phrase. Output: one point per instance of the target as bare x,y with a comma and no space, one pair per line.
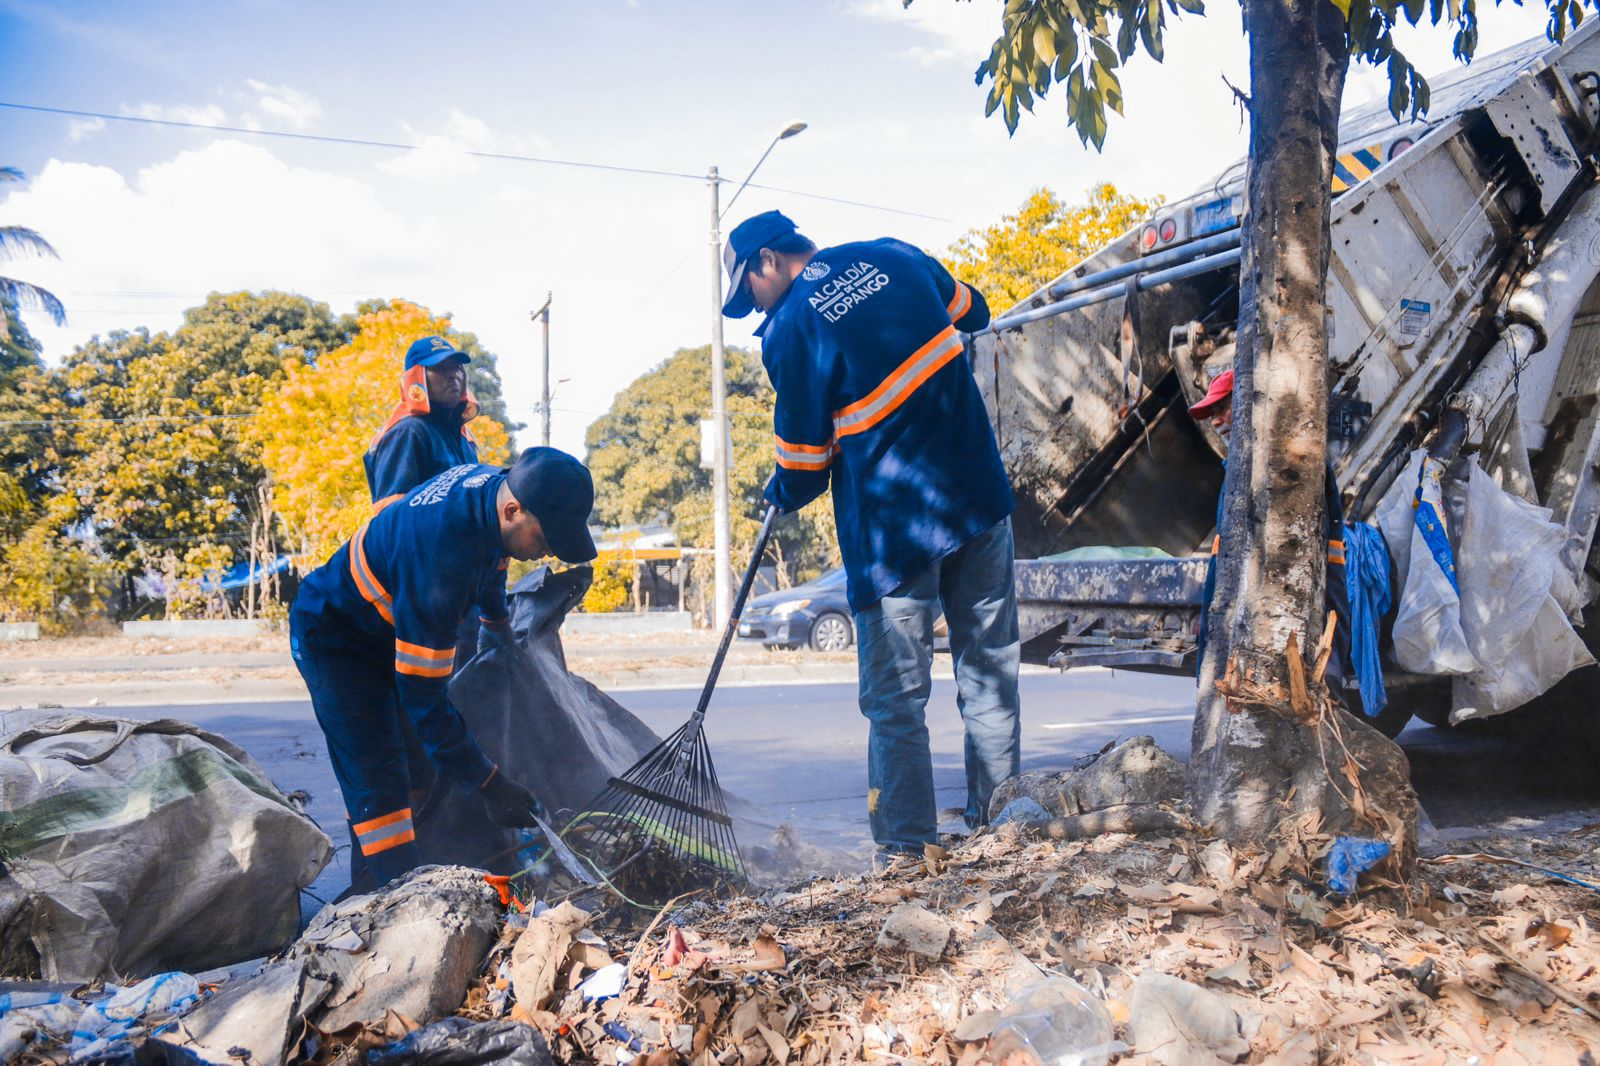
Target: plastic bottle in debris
1053,1022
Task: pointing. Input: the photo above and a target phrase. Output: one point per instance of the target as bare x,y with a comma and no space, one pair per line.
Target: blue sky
148,220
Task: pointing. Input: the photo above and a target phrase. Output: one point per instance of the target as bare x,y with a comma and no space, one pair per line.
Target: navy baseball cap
559,492
431,351
748,238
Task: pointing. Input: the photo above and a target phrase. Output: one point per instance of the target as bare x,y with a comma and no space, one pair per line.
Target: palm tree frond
27,295
14,239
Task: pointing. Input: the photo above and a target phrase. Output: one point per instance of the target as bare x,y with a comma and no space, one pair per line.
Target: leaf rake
663,827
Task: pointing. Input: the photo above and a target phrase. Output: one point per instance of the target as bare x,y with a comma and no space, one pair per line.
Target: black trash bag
548,729
459,1042
150,1052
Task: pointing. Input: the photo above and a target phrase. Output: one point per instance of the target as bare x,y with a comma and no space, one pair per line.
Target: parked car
815,614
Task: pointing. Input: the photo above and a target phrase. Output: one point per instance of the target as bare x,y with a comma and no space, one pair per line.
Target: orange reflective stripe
1216,545
407,836
385,831
418,660
366,582
379,505
404,664
402,815
422,651
898,387
960,303
804,456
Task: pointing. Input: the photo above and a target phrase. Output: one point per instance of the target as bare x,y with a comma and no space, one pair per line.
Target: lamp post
721,537
543,316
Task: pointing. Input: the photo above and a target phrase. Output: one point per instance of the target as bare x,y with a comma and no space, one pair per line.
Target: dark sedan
815,614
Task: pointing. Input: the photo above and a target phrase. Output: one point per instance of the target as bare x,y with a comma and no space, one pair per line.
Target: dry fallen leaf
1236,973
1554,934
766,955
893,894
1511,895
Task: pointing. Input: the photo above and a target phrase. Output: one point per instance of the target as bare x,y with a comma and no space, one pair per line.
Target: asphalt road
796,754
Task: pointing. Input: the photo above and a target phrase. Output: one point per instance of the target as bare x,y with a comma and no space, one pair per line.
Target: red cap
1221,390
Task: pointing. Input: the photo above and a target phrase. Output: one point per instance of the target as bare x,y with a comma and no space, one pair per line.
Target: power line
403,146
42,422
360,142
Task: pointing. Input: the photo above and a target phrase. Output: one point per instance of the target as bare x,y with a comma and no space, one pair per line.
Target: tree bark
1268,742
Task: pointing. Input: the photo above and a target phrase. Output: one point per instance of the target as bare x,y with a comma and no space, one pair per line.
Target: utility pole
543,316
722,585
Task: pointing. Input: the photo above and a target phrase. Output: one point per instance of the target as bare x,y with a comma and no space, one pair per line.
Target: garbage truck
1463,314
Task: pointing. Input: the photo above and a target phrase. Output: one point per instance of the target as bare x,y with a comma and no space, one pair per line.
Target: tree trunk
1268,743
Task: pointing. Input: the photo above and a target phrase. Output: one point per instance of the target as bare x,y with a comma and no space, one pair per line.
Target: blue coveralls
415,444
373,632
875,398
412,450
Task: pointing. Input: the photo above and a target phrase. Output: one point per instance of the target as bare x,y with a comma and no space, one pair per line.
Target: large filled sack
1428,635
134,847
1516,595
545,727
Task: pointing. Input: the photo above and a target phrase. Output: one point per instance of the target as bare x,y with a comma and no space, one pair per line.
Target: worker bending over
373,632
875,397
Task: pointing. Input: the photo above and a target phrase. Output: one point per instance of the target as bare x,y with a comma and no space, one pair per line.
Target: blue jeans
977,590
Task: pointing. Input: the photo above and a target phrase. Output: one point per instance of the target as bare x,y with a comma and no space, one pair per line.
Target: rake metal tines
662,828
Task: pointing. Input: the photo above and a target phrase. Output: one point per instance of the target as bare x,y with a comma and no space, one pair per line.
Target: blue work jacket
405,581
875,398
413,449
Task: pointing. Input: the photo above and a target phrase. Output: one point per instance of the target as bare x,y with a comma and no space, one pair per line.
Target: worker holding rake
373,633
876,399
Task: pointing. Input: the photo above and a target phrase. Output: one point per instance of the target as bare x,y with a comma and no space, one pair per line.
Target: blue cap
748,238
431,351
559,492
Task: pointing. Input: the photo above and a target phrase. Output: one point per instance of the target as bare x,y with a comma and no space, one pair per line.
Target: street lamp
721,537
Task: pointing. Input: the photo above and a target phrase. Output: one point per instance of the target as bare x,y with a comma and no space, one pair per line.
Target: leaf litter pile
1199,953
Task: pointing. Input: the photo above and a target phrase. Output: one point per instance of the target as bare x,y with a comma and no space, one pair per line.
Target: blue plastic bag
1350,857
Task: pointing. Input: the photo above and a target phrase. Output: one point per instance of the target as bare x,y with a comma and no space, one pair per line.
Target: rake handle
767,521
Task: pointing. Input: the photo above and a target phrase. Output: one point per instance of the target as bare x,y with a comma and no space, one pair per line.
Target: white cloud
959,32
287,105
138,249
441,156
226,216
208,115
81,128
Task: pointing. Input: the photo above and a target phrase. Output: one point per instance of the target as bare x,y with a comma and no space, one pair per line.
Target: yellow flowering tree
1041,240
315,427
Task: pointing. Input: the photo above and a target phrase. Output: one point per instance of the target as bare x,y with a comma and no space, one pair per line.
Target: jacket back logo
439,487
816,270
854,284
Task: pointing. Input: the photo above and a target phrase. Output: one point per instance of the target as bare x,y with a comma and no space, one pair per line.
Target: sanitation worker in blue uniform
426,433
875,399
373,632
